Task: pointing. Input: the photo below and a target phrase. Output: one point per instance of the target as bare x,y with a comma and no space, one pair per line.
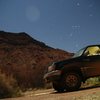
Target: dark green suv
69,74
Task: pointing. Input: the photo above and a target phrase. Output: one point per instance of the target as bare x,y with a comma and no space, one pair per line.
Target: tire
58,86
72,81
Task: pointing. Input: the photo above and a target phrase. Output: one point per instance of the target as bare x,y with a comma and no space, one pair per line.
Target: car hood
68,61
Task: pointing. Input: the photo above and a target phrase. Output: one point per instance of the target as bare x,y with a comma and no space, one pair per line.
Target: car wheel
72,81
58,86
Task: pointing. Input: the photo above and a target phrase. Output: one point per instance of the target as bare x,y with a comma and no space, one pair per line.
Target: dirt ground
90,93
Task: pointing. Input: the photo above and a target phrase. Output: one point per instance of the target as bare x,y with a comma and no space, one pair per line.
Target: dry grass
8,86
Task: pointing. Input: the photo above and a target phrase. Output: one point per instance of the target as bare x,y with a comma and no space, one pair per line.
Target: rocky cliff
27,59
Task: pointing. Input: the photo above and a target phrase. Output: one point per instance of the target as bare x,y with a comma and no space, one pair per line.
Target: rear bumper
52,76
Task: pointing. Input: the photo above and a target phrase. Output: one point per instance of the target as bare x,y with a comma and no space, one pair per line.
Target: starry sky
65,24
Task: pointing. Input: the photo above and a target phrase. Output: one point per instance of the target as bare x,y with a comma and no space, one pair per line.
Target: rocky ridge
27,59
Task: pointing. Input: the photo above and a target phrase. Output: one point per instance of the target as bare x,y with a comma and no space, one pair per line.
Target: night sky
65,24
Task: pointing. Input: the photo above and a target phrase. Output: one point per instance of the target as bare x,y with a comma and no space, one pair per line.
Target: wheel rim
71,80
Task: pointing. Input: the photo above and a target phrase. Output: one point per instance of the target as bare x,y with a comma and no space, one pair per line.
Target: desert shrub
8,86
95,81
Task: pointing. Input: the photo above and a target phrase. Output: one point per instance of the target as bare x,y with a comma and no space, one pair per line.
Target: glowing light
32,13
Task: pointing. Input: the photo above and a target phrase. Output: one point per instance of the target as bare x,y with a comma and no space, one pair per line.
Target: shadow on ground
81,89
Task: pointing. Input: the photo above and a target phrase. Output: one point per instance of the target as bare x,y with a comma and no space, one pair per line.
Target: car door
91,61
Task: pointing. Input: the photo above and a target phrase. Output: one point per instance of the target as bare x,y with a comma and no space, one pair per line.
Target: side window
90,51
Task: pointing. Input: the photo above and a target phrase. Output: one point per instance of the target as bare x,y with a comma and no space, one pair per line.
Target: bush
94,81
8,86
91,82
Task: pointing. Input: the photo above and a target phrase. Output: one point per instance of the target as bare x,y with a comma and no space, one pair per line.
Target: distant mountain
26,58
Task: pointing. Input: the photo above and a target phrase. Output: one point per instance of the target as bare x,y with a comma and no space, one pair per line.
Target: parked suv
69,74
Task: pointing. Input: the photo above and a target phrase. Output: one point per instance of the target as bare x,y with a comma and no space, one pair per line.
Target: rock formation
27,59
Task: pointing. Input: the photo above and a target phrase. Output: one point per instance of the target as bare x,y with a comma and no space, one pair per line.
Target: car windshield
79,53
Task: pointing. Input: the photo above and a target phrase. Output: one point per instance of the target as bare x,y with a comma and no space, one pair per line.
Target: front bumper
52,76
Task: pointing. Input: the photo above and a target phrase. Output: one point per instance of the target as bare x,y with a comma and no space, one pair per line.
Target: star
76,26
90,15
91,5
71,34
78,4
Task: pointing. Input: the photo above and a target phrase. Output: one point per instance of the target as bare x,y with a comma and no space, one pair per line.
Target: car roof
93,45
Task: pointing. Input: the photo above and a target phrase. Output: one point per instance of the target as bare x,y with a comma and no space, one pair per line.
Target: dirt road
92,93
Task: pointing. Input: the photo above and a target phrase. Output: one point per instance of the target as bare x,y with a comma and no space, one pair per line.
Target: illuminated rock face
26,58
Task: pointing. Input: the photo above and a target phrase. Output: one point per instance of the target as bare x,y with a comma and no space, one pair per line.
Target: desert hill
27,59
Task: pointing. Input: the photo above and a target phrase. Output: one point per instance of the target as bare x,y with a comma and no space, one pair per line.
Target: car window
79,53
90,51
